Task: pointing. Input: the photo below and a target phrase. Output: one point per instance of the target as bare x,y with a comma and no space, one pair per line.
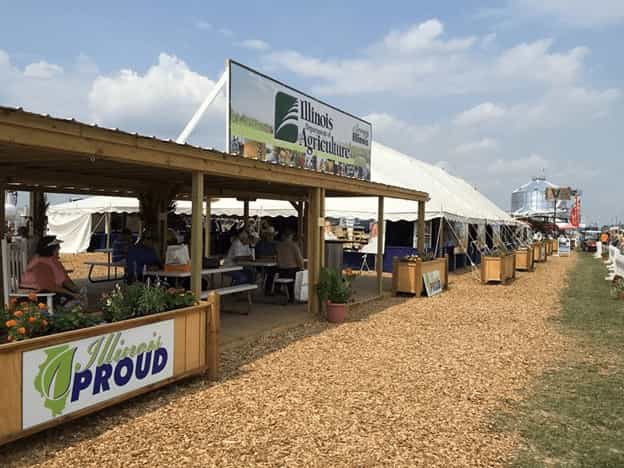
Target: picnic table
109,265
187,274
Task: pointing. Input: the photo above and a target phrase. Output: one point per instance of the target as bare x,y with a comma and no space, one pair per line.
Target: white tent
450,197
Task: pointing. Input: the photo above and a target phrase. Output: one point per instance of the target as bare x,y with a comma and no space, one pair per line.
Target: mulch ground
405,382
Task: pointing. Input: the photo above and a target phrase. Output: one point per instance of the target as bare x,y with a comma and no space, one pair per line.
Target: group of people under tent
46,273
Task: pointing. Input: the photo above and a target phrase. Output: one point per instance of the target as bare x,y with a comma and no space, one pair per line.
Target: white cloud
485,144
419,62
396,132
42,70
254,44
425,37
528,166
158,102
485,112
580,13
205,25
535,61
227,32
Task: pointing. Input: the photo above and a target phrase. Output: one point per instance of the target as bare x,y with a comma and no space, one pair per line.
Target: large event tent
450,197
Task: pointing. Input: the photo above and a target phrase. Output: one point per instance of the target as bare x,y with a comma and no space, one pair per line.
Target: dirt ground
405,382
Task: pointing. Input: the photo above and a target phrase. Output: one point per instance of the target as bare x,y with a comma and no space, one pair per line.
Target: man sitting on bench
289,261
239,250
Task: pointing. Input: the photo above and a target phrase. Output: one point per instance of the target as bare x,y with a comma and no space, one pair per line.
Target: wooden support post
196,232
246,211
312,238
306,219
212,347
322,229
300,225
207,229
421,228
380,244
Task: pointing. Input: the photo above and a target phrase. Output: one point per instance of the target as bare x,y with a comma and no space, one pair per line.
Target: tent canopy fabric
450,197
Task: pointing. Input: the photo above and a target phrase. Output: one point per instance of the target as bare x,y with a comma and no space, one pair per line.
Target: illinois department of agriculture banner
272,122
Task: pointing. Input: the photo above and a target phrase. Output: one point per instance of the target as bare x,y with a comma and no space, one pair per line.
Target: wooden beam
322,229
21,131
421,228
313,254
380,245
196,233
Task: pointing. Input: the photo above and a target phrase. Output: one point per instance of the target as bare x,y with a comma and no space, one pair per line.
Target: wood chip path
406,382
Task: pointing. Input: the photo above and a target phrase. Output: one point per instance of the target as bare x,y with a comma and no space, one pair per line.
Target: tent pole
207,229
312,241
4,295
380,244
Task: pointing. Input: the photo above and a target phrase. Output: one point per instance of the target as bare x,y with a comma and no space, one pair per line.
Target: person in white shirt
239,250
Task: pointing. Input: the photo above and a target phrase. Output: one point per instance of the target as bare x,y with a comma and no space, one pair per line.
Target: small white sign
65,378
433,283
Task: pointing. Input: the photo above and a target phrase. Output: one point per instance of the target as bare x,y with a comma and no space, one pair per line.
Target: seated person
121,246
289,261
239,250
266,249
142,256
46,273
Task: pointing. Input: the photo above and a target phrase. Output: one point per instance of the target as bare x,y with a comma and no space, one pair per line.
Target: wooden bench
236,289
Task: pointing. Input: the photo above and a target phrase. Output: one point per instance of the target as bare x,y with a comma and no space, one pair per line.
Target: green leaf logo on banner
286,117
54,378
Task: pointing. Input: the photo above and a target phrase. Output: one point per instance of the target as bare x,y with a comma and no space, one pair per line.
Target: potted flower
334,288
617,288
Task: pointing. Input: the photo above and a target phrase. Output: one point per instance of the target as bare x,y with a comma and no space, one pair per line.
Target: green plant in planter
333,286
70,319
179,298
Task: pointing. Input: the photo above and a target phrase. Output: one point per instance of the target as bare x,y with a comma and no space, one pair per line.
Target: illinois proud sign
275,123
62,379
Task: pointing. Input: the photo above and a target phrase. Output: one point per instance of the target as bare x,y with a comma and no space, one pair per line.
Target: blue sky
494,92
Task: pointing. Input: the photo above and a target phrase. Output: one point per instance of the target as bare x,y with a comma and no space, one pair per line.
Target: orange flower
32,296
21,330
32,319
18,313
10,323
42,306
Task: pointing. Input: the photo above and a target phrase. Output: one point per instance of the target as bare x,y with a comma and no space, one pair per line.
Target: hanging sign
272,122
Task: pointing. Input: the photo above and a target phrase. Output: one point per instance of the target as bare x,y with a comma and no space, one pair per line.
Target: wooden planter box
407,275
555,246
52,379
499,269
549,247
524,260
539,252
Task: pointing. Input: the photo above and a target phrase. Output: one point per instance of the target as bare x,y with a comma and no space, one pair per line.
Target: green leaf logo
286,117
54,378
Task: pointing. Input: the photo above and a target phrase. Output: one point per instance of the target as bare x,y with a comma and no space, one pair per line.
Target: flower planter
555,246
336,313
549,247
407,276
524,259
539,252
500,269
56,378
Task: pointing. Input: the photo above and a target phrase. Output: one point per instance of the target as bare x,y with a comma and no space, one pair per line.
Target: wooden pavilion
44,154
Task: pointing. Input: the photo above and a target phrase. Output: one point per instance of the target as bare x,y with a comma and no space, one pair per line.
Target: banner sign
433,283
275,123
65,378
